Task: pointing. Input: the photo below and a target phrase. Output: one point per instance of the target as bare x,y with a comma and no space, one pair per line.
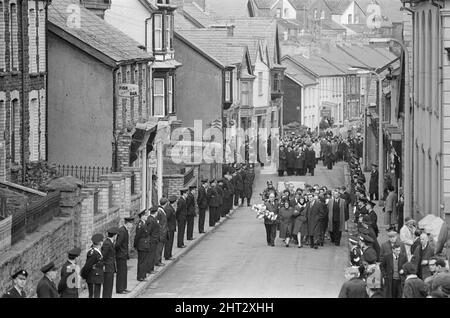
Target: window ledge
15,73
34,74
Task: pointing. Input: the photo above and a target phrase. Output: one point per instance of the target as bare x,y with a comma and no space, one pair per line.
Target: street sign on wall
128,90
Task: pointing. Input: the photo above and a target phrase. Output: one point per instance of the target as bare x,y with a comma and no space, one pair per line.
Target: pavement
235,261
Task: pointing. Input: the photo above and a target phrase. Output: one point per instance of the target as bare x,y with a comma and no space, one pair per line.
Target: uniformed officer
227,195
190,204
92,270
219,189
249,177
122,255
109,260
171,226
142,245
70,275
46,287
181,215
161,217
154,234
213,202
202,203
238,187
20,280
355,251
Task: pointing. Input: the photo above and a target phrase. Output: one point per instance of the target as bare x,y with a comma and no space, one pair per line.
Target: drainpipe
22,111
115,101
46,82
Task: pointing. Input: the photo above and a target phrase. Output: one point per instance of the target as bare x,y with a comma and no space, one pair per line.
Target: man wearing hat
355,286
20,280
190,205
249,177
414,286
109,260
161,217
228,191
70,275
154,236
373,216
122,255
142,245
386,247
181,215
369,256
213,202
46,287
171,226
202,203
92,270
367,229
219,189
238,188
407,235
355,251
373,183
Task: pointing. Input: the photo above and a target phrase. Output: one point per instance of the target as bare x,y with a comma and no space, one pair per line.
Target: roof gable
102,38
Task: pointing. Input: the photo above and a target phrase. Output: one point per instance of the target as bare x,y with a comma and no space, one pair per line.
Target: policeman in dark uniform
181,215
20,280
161,217
154,234
219,189
213,202
92,270
46,287
227,196
190,203
171,226
70,275
122,255
355,252
202,203
238,187
109,260
249,177
142,245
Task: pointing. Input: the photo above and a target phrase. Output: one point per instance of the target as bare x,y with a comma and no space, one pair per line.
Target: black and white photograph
223,154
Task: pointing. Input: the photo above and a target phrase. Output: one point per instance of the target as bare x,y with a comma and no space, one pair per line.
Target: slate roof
264,4
96,33
258,27
194,12
299,4
299,74
317,65
331,25
341,59
368,55
228,8
216,44
338,6
181,22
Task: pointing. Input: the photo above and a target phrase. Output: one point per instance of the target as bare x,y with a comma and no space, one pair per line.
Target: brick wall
123,150
172,184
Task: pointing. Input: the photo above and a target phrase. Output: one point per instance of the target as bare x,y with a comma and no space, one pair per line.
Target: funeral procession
224,149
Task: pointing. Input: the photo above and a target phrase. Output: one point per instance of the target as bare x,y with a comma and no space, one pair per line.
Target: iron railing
84,173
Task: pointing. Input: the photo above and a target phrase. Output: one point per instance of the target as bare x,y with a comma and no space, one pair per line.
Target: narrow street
235,261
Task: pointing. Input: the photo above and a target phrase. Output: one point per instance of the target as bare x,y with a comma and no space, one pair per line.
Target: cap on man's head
129,220
74,252
163,201
204,180
113,230
47,268
153,210
192,187
172,198
183,191
97,238
408,220
212,180
391,233
20,272
142,213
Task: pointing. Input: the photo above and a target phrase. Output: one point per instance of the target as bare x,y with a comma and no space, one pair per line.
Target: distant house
99,103
23,90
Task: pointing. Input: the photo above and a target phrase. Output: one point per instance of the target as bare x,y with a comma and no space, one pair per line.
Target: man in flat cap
181,215
161,217
19,280
142,245
92,270
190,205
70,275
213,202
373,183
171,226
202,202
46,287
153,230
109,260
123,255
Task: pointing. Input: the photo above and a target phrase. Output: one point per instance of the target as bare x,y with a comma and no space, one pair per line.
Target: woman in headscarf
300,226
286,217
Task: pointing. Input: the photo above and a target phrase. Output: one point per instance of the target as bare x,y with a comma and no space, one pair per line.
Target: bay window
168,29
245,93
158,97
170,95
228,86
158,32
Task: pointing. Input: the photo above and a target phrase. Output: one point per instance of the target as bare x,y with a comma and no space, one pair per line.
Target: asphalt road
235,261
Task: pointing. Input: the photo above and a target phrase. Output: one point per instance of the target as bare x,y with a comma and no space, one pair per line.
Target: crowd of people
154,238
409,264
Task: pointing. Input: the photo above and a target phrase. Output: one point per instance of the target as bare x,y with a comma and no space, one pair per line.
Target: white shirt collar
98,251
411,276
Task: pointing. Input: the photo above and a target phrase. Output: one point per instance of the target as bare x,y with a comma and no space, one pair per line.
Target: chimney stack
98,7
230,30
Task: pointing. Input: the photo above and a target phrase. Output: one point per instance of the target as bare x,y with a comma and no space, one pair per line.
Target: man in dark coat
20,280
310,160
70,276
315,212
122,255
227,196
290,161
336,217
190,205
369,256
373,183
163,231
282,161
92,270
202,203
142,245
109,260
171,226
154,236
213,202
391,267
373,216
46,287
238,188
355,286
219,189
422,255
414,286
249,177
181,215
